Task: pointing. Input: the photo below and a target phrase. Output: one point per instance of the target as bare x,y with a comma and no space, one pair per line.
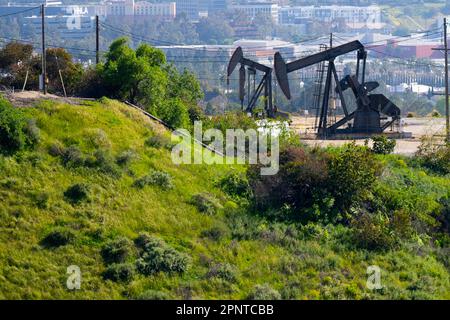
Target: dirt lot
419,127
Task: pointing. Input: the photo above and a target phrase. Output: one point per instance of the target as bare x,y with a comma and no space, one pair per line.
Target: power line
19,12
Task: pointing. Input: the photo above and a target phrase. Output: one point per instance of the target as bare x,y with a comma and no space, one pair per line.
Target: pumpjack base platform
356,136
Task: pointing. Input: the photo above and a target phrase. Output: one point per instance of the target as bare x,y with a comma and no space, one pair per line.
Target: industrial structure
250,67
374,112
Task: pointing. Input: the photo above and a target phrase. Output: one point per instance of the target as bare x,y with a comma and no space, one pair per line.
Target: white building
166,9
370,15
120,8
140,8
254,9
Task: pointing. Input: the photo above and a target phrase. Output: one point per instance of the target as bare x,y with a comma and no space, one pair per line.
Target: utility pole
331,40
446,93
97,41
44,62
447,117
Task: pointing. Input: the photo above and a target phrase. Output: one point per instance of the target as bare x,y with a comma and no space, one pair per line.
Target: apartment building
369,15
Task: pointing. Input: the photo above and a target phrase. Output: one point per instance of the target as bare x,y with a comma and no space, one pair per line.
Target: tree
214,29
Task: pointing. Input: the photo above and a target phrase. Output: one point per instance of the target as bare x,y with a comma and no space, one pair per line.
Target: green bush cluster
101,159
158,141
315,185
117,250
16,131
58,237
157,256
264,292
155,178
206,203
224,271
235,185
77,193
383,145
119,272
435,157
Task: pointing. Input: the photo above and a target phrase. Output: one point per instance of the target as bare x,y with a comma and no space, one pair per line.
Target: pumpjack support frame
367,116
264,87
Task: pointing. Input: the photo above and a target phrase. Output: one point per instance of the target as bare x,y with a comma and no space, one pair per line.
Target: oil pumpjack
252,67
374,112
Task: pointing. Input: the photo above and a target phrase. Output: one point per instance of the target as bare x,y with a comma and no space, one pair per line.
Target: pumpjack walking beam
282,69
265,83
366,118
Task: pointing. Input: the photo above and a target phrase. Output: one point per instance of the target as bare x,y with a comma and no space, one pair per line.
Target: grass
32,206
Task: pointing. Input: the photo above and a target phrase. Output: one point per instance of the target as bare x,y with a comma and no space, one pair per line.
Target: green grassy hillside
104,146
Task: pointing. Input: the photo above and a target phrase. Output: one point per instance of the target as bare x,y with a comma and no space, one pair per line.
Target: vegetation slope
81,197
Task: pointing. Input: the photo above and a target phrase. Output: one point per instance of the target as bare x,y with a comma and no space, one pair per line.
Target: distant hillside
102,174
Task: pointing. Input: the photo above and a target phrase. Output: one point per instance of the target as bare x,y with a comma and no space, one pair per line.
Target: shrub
56,150
125,157
12,128
264,292
117,250
373,232
382,145
352,173
215,233
77,193
32,132
105,163
223,271
153,295
59,237
236,186
73,157
300,182
206,203
434,156
156,178
158,141
157,256
145,239
122,272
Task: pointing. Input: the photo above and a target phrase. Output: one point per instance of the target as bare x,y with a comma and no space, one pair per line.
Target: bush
206,203
153,295
157,256
156,178
125,158
59,237
236,186
117,250
373,232
105,163
264,292
434,156
223,271
158,141
32,132
12,128
73,157
119,272
382,145
299,184
77,193
352,173
215,233
56,150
